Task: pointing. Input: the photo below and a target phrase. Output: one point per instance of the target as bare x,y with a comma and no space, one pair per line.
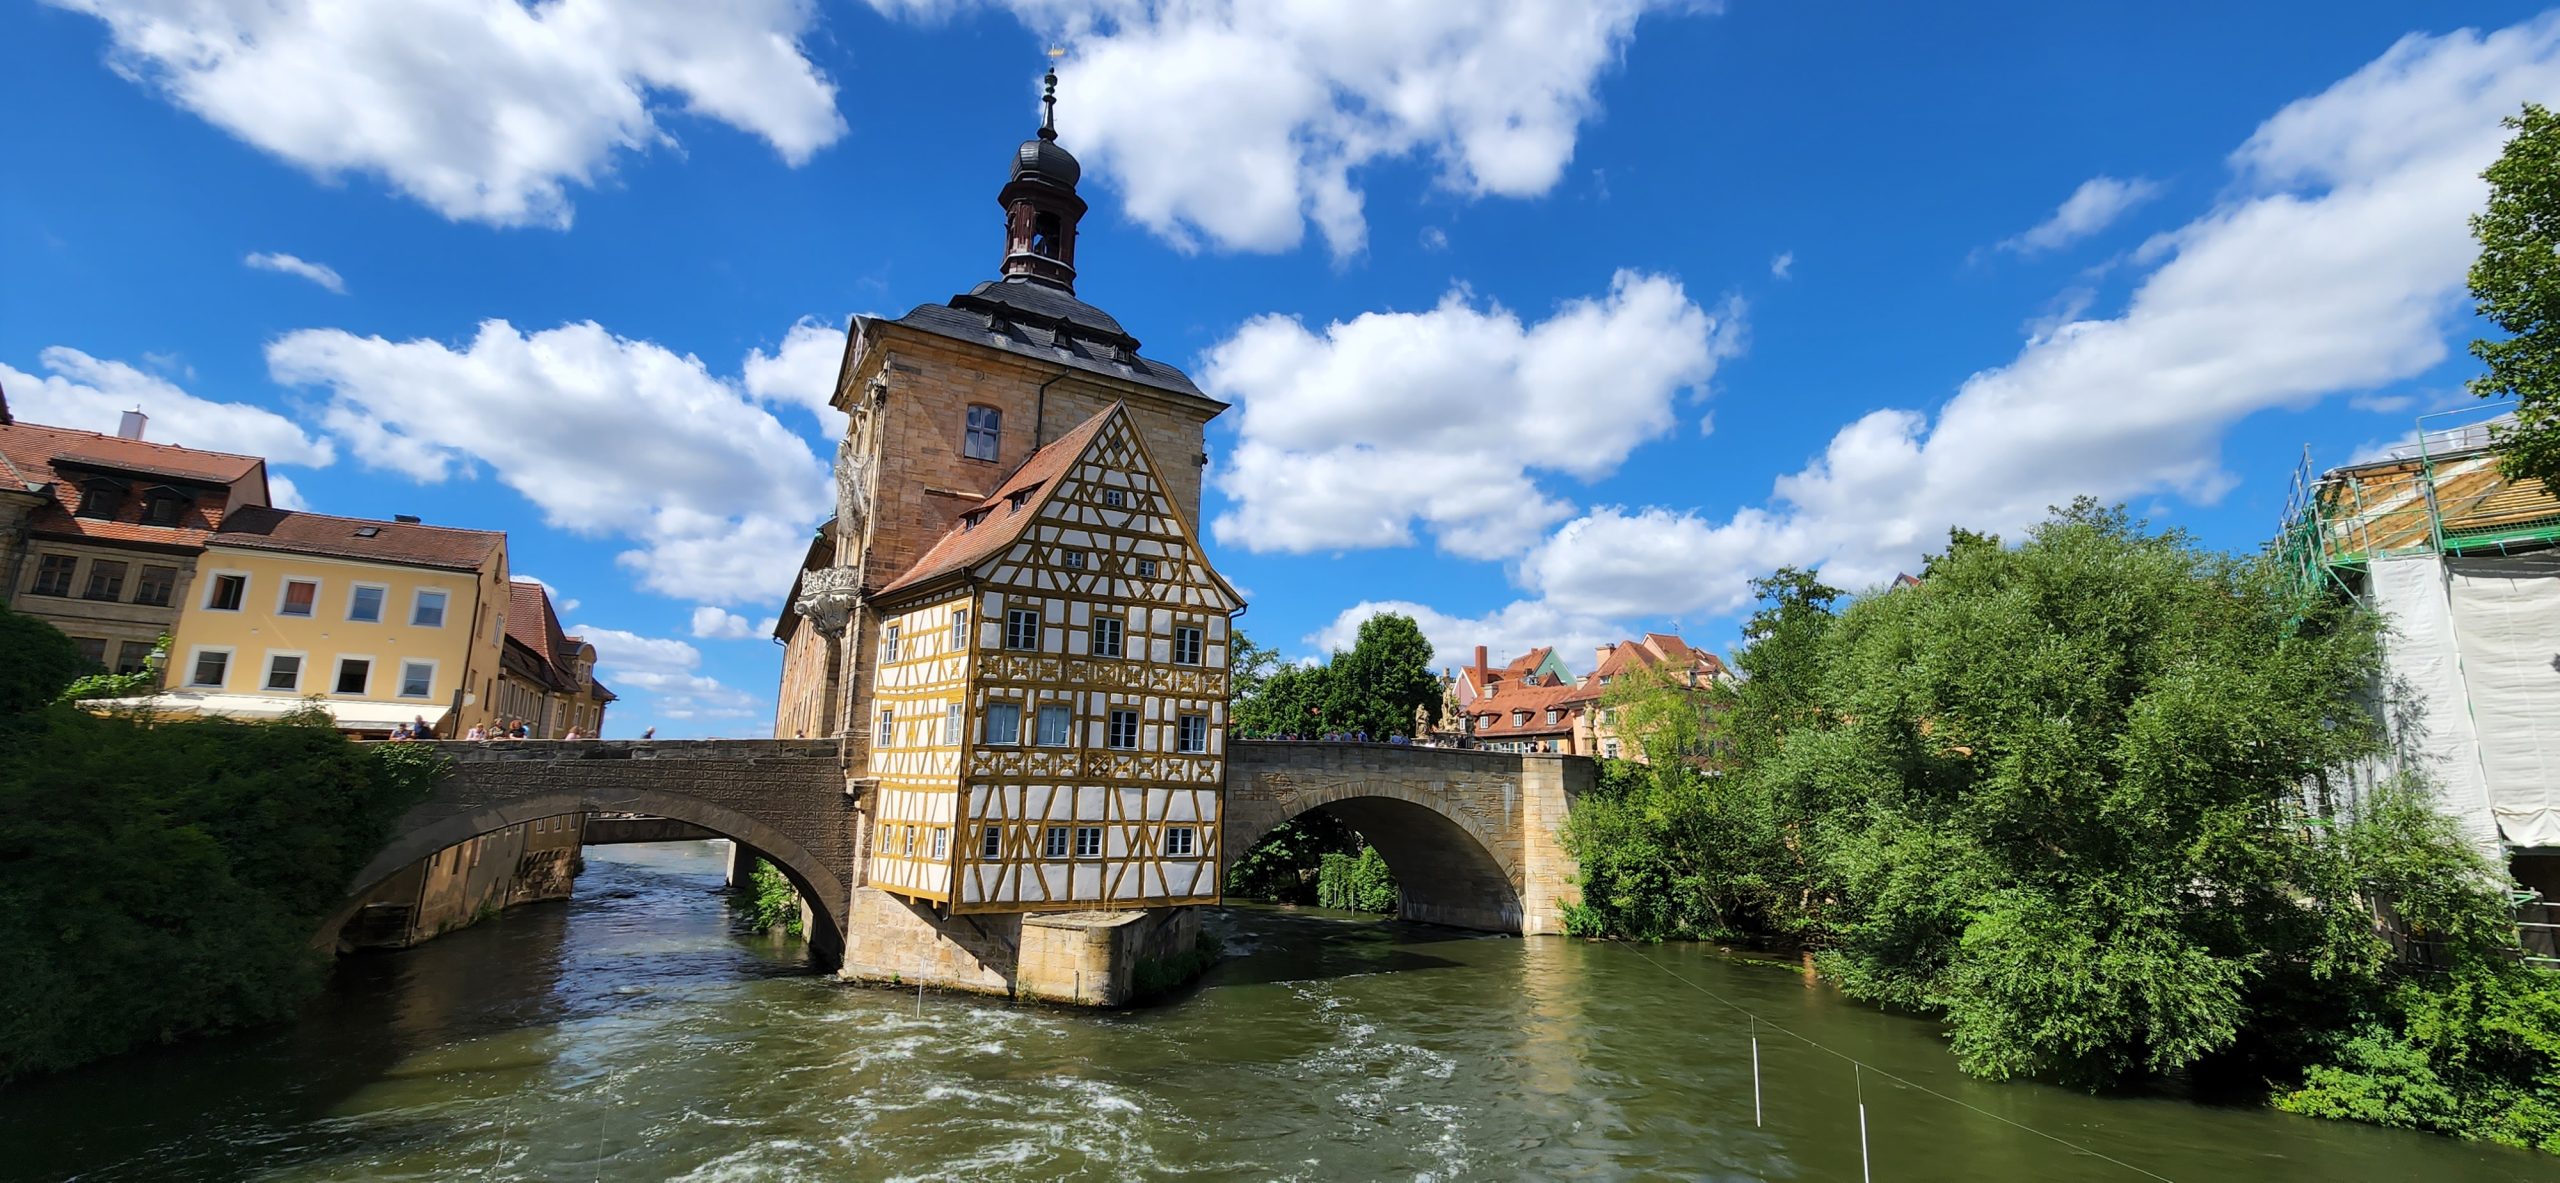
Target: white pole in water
1755,1076
1866,1165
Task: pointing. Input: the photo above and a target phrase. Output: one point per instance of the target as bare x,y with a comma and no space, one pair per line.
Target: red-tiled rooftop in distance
406,543
1001,518
54,459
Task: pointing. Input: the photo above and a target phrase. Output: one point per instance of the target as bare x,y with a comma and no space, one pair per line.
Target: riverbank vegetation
2086,799
773,903
166,879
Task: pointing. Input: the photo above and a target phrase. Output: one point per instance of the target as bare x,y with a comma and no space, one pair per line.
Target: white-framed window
951,724
959,629
1053,844
985,425
284,672
299,597
1057,727
941,843
1146,568
1192,735
427,610
1003,724
364,602
208,666
1022,629
1186,646
1088,842
887,735
354,675
417,678
991,842
1609,748
909,834
226,591
1115,498
1179,842
1107,634
1124,729
1073,560
888,643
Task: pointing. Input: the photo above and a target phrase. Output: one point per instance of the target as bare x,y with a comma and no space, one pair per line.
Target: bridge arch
784,799
1450,868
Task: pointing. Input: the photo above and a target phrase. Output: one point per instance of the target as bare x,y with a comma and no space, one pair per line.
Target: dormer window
1519,718
163,506
101,498
1019,498
985,424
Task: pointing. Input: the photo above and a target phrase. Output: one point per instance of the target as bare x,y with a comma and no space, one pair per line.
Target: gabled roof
533,630
1535,698
405,543
54,461
988,527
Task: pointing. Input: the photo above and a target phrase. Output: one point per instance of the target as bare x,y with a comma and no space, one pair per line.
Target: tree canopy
2517,284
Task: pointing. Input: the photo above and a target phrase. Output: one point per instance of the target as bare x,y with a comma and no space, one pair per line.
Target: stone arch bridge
1470,835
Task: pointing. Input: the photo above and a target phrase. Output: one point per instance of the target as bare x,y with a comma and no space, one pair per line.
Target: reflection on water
632,1033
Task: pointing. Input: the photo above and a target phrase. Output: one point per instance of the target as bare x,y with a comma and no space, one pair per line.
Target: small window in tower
1044,235
985,424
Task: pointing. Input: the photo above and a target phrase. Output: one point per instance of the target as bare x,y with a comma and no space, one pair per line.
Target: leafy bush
1281,869
1356,883
775,904
163,881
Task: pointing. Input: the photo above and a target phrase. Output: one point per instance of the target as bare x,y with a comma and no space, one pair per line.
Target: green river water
632,1034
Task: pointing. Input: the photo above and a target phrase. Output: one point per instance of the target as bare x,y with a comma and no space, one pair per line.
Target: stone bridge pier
1472,836
784,798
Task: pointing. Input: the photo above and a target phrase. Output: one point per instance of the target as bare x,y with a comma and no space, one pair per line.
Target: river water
631,1033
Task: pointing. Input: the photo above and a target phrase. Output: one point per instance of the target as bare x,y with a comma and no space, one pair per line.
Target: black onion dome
1044,158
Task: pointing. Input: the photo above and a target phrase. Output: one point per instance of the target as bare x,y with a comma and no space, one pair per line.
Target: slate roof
1046,323
51,460
987,528
407,543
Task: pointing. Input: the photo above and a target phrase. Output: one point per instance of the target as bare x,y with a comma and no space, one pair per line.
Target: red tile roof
405,543
988,527
53,459
1509,698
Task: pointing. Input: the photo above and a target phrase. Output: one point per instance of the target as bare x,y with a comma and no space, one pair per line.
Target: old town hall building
1010,621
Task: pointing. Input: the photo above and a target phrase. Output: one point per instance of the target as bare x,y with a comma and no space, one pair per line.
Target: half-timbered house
1051,699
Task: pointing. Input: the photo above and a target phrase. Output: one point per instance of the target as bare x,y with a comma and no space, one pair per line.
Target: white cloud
2092,207
319,273
714,624
560,602
1783,265
667,670
606,435
2334,266
485,110
1435,239
1236,122
92,394
282,493
1349,438
801,372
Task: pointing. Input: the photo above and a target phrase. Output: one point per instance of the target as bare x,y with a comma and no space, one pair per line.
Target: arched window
985,423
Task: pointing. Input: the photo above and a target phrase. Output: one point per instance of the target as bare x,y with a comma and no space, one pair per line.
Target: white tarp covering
2429,704
2506,619
351,714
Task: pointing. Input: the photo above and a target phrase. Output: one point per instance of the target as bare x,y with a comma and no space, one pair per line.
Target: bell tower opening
1040,203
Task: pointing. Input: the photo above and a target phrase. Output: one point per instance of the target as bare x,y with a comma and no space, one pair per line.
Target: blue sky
1547,322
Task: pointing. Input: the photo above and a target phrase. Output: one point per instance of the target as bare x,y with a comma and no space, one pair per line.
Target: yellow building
546,677
385,622
1051,698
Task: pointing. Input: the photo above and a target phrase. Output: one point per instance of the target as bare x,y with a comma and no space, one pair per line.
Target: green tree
158,881
1382,680
2517,283
1249,667
1289,702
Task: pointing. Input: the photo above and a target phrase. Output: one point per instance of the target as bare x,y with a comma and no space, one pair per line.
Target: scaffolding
2440,493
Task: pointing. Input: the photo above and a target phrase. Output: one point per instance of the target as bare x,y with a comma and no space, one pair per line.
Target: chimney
130,427
1480,663
1600,656
406,519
